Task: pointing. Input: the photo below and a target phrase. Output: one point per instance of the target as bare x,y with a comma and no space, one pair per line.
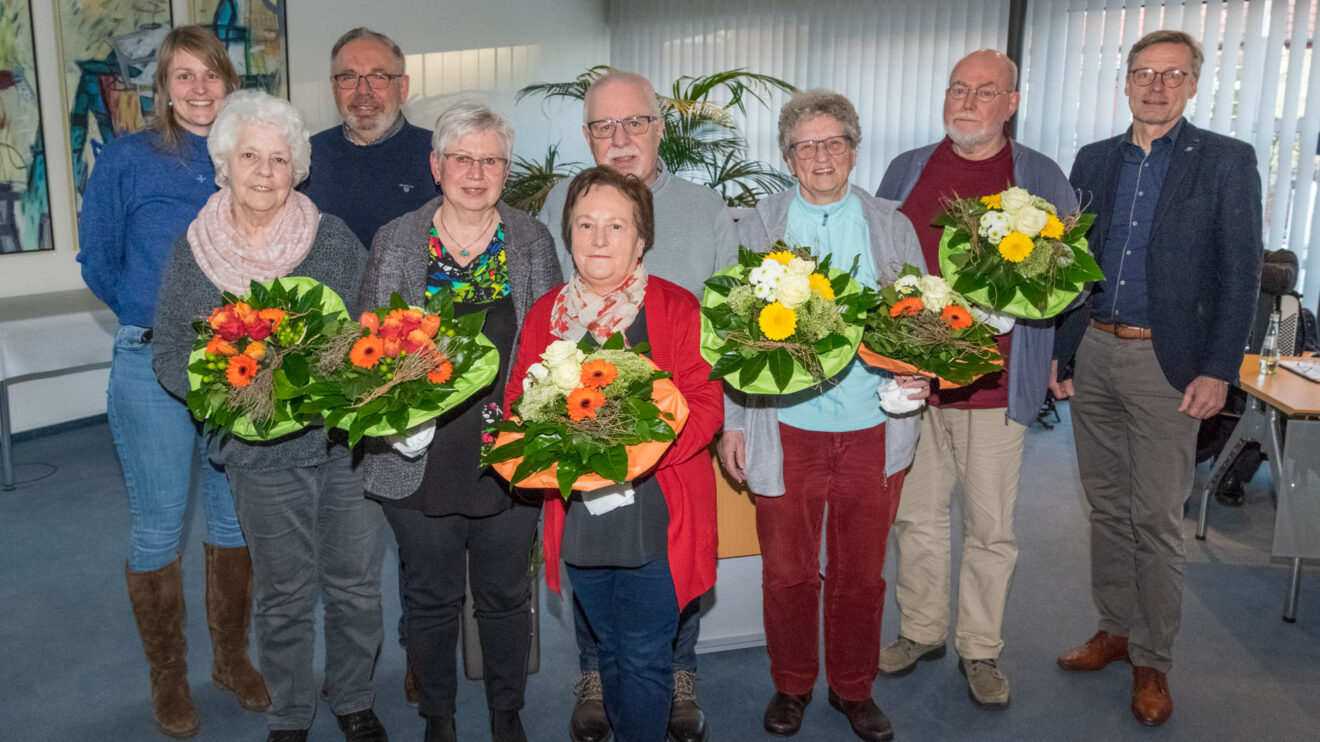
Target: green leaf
612,463
752,368
295,366
781,367
505,452
722,284
727,364
397,302
566,475
615,342
748,258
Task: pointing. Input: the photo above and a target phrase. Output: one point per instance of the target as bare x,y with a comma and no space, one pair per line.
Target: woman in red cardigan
637,553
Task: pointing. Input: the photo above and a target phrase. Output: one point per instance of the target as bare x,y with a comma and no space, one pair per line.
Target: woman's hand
919,386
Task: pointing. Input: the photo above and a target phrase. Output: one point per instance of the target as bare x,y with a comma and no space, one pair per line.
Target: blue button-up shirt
1121,297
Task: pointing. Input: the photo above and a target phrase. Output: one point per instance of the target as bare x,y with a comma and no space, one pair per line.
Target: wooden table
1293,451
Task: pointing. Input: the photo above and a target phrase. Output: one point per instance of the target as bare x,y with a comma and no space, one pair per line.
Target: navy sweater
367,186
138,201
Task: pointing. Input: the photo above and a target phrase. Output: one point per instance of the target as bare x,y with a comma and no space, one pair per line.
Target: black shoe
687,722
865,718
506,726
287,735
440,729
588,722
1230,492
362,726
783,716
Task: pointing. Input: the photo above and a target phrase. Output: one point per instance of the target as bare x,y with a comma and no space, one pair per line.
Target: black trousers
436,551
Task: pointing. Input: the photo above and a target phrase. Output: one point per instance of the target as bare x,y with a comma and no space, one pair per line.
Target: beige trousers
983,450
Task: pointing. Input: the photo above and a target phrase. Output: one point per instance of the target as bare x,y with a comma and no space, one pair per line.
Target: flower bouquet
1011,251
399,366
250,369
779,322
922,326
588,418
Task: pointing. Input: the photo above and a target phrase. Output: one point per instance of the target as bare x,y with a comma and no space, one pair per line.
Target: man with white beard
975,433
694,237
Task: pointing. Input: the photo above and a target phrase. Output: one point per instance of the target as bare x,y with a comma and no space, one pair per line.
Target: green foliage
530,182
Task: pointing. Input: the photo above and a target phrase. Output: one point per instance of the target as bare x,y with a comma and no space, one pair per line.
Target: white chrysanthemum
1014,199
801,267
936,293
906,285
995,226
1029,220
763,291
768,272
793,291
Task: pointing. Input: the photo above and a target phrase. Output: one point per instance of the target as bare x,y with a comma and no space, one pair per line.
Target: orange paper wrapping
641,457
871,358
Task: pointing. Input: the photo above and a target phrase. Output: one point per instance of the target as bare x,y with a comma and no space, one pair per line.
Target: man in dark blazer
1153,350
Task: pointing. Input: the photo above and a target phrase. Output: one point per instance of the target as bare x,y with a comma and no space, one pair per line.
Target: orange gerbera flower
583,403
366,352
957,317
218,346
908,306
443,370
598,374
241,369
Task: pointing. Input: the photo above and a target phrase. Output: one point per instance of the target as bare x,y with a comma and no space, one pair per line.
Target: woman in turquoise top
146,188
834,447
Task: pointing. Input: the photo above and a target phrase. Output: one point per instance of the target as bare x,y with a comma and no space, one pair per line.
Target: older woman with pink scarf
299,498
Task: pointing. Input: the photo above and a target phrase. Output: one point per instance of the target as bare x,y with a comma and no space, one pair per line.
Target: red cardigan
685,474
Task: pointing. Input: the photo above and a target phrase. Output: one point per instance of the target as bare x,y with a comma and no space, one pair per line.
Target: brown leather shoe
866,719
1151,702
783,716
1096,653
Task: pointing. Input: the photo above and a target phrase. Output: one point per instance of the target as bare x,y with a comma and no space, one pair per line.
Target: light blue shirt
850,400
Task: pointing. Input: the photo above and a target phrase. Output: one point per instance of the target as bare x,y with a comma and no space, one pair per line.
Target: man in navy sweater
375,165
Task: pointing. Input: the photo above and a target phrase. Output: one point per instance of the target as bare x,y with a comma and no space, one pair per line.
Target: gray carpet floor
72,669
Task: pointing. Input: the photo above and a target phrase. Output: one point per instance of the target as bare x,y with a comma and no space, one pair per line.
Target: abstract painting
24,197
108,57
254,32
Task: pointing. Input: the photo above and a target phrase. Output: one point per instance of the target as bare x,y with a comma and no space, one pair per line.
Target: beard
965,139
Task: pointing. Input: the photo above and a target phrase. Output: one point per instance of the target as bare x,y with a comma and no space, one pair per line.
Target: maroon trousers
847,472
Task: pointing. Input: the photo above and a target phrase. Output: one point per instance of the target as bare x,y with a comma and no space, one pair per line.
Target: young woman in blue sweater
145,190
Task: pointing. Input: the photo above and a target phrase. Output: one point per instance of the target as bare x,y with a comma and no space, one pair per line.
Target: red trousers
847,472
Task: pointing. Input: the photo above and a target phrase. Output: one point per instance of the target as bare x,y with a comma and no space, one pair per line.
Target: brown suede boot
228,612
157,598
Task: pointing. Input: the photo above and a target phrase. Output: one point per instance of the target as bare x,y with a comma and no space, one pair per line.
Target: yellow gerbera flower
1015,247
821,285
782,257
778,321
993,202
1053,228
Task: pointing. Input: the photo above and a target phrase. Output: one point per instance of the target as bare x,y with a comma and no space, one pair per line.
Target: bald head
987,59
986,80
615,81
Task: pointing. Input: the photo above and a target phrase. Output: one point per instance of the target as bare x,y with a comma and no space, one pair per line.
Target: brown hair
629,185
201,43
1166,36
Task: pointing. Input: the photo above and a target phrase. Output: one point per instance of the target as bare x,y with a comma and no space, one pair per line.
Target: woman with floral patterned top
450,516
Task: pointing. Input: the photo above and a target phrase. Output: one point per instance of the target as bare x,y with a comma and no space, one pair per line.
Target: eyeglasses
466,162
807,148
1146,77
632,126
985,95
377,80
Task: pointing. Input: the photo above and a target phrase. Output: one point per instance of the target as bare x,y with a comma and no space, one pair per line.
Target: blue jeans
156,438
685,643
634,616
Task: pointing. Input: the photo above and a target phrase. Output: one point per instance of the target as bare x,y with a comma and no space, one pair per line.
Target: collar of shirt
395,128
1165,142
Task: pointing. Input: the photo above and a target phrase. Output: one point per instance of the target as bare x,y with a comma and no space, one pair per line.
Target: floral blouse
483,280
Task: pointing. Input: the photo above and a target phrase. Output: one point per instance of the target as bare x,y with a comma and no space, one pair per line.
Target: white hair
470,117
247,107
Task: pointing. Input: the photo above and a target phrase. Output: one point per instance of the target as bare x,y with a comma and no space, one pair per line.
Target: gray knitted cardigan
186,294
398,262
893,243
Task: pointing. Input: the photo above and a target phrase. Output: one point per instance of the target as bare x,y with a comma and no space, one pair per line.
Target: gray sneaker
901,657
986,683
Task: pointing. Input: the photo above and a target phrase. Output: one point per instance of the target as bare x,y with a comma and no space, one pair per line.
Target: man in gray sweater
694,237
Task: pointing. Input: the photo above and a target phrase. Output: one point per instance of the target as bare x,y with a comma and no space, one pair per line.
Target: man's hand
1062,389
918,386
1204,397
733,454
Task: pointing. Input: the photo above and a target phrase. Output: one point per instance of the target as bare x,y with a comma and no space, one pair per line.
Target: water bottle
1269,349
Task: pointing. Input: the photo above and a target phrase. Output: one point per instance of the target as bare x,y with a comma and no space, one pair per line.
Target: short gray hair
809,104
362,32
623,78
245,108
470,117
1166,36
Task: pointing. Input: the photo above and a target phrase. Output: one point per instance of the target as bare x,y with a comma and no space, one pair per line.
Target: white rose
561,354
801,267
1014,199
936,293
1029,220
566,378
535,373
907,285
793,291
